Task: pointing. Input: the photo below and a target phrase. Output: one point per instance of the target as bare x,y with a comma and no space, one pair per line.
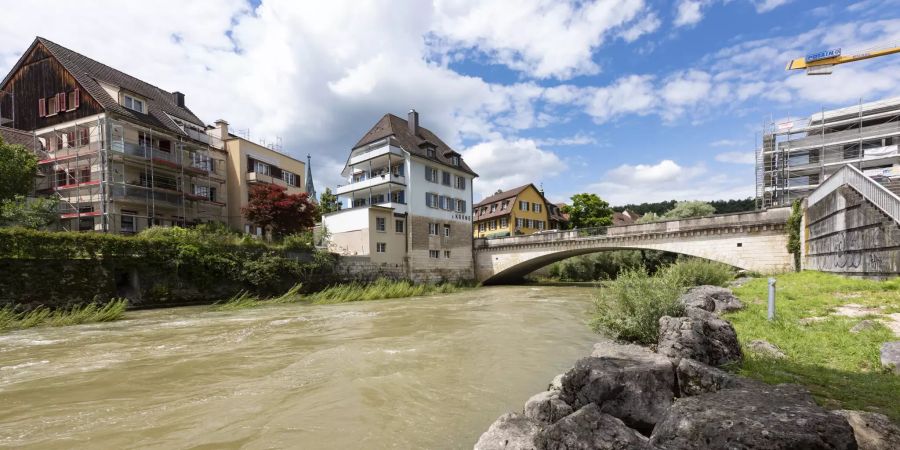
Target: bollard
771,299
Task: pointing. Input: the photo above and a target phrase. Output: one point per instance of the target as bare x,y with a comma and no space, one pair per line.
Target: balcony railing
141,193
371,182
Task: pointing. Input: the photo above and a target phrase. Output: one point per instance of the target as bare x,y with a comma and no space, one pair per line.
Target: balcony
147,195
375,152
371,182
261,178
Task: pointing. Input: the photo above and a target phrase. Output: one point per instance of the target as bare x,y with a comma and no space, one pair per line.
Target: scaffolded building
797,155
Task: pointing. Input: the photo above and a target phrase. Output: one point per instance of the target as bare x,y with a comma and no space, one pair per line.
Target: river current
430,372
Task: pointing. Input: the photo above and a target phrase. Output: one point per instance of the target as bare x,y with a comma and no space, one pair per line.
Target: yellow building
522,210
248,164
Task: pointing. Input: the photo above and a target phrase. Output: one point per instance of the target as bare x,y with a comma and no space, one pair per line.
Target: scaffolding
130,177
795,156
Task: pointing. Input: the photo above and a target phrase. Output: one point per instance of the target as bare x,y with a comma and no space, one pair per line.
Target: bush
697,272
629,307
608,265
298,242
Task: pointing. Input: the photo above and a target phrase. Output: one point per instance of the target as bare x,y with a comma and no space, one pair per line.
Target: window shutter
42,107
77,102
62,101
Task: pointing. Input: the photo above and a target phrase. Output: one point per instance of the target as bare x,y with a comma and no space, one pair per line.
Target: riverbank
829,331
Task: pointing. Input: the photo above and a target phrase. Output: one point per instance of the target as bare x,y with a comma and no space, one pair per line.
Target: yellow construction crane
822,63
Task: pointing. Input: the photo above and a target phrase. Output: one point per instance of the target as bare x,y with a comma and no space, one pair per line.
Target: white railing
870,189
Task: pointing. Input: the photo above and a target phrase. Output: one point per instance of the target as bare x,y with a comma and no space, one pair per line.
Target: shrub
629,307
697,272
298,242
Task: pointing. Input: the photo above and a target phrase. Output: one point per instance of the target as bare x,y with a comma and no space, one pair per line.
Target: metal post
771,299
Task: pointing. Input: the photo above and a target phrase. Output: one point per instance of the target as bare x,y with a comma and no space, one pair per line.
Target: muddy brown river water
430,372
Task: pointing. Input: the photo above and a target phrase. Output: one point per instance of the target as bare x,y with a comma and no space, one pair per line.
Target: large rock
547,407
627,382
695,378
765,348
890,356
873,431
556,383
722,299
512,431
767,417
589,428
701,335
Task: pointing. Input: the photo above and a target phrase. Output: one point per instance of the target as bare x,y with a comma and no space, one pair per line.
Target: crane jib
824,54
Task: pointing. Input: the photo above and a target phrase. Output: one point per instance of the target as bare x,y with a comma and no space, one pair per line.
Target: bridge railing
872,190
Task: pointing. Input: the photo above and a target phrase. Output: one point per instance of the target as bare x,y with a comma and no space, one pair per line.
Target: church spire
310,187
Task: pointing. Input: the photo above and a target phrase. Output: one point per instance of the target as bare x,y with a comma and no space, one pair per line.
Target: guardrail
870,189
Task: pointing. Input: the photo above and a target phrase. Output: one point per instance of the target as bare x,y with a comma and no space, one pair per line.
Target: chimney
221,130
413,122
179,98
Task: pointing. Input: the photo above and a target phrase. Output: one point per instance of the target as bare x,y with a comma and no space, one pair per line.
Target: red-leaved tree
273,209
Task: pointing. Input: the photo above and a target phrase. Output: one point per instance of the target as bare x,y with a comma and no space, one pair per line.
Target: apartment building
407,202
249,164
796,156
519,211
119,153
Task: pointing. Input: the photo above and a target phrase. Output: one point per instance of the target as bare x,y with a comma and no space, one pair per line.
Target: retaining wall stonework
844,233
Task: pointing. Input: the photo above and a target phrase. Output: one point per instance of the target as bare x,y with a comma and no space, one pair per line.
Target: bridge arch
753,241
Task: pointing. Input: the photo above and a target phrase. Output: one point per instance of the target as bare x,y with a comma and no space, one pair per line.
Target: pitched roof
89,73
392,126
19,137
503,195
624,218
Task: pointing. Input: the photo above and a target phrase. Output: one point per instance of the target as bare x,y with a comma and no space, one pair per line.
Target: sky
634,100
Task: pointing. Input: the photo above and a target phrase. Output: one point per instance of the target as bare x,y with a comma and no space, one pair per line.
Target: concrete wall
363,269
844,233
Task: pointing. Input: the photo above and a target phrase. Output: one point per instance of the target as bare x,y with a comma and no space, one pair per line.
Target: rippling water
428,372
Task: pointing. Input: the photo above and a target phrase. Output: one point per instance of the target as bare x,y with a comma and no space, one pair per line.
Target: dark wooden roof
19,137
392,126
89,73
509,193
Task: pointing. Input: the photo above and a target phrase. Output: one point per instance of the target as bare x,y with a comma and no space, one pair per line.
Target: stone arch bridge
754,241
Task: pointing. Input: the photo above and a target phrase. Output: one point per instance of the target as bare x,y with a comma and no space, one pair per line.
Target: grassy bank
10,319
840,368
343,293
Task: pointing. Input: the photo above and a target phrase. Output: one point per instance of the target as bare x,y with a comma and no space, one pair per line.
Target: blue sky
633,100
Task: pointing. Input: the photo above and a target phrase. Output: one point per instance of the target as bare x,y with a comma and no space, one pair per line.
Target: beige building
249,164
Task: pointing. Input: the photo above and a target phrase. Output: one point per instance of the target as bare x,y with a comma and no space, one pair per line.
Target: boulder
556,383
695,378
890,356
765,348
701,335
723,300
546,407
873,431
587,429
864,325
512,431
759,417
627,382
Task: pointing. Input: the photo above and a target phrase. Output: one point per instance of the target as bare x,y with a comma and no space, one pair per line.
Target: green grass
10,319
841,369
629,307
343,293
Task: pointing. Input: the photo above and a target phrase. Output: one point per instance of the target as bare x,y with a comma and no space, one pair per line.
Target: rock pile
629,397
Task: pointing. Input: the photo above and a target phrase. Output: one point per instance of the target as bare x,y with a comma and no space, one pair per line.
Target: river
431,372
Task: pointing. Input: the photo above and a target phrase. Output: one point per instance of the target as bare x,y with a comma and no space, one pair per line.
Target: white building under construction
796,156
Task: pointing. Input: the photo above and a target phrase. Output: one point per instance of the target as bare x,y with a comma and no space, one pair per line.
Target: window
493,224
85,223
85,175
74,100
434,254
446,253
504,205
445,178
398,197
481,226
380,247
454,160
212,194
431,200
523,206
399,170
398,226
52,106
261,168
133,103
536,207
199,161
460,183
127,221
431,174
445,203
461,206
430,152
528,223
380,224
289,178
504,222
539,224
433,229
520,223
493,207
447,230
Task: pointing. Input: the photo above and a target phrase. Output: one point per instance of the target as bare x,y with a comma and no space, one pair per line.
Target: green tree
328,202
18,166
36,213
684,210
588,210
793,225
649,217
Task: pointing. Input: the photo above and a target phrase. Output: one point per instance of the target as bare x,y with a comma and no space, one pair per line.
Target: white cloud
667,180
505,164
647,25
633,94
727,143
764,6
688,12
577,139
737,157
539,38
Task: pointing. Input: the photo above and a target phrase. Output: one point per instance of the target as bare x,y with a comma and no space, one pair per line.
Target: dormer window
133,104
430,152
454,160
